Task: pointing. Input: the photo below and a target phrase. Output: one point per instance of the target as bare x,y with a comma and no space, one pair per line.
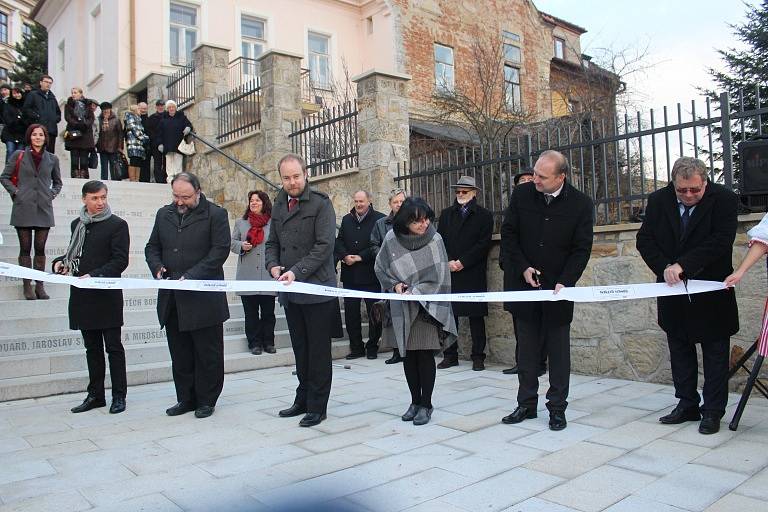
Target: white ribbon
575,294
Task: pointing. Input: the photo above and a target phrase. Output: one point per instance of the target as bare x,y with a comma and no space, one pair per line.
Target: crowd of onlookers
133,144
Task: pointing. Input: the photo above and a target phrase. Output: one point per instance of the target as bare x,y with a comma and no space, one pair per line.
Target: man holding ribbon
300,248
190,240
688,233
546,241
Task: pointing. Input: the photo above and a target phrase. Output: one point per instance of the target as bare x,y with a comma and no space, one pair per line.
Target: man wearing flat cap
466,228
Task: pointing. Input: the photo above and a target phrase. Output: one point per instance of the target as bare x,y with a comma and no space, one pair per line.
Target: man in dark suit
150,126
353,249
688,233
98,248
546,239
41,106
466,228
191,240
300,248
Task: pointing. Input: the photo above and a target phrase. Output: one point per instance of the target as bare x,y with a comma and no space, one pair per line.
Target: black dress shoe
478,365
557,420
355,355
396,358
518,415
90,402
423,416
410,413
311,419
680,415
204,411
710,424
372,353
118,405
179,409
270,349
510,371
256,351
448,362
293,410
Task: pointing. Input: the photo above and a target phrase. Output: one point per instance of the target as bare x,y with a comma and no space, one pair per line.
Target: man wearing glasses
466,228
688,233
41,106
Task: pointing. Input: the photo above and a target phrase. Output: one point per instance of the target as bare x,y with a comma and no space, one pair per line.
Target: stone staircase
40,356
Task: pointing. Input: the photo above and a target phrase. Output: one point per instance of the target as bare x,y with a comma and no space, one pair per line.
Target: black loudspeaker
753,155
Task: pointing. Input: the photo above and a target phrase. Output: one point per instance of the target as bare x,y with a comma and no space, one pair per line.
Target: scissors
685,285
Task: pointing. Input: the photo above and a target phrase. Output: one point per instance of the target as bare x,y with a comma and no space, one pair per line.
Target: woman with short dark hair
413,260
33,179
248,237
14,127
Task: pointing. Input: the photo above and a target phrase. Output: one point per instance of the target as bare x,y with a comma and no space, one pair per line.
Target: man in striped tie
688,233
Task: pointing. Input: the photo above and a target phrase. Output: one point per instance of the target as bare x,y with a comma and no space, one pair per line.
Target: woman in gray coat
248,241
37,183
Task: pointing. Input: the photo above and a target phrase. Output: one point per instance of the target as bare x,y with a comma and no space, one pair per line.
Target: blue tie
685,218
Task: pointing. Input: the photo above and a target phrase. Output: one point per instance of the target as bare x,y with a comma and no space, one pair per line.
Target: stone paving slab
614,456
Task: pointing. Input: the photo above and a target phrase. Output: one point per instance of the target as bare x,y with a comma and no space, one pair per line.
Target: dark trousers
259,328
420,373
353,321
310,329
158,166
51,146
685,373
517,348
197,361
555,341
96,341
109,167
477,329
144,175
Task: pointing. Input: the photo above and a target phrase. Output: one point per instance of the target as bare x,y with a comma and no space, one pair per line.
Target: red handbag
15,175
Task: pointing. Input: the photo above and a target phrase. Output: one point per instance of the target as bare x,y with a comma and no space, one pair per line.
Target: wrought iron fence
327,140
243,71
239,111
616,162
181,85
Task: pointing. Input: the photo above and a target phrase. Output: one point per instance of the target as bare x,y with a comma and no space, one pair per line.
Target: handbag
93,160
186,148
70,135
15,175
380,313
122,165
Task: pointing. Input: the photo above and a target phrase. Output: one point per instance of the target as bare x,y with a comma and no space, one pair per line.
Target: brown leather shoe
447,362
40,291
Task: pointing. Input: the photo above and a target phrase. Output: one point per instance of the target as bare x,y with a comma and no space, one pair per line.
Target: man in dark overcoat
98,248
151,127
354,250
688,233
466,228
41,106
546,239
300,248
191,240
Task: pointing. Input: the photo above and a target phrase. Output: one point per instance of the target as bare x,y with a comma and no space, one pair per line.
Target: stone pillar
280,106
211,64
383,131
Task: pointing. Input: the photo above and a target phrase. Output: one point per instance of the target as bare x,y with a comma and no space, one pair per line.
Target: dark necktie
548,198
464,211
292,202
685,218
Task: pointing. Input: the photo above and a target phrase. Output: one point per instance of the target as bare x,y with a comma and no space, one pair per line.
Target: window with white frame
513,52
444,70
95,48
3,75
512,93
253,34
183,32
559,48
62,54
3,27
26,31
319,59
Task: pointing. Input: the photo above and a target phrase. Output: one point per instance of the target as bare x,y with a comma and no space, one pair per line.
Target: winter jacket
135,136
111,139
42,107
79,118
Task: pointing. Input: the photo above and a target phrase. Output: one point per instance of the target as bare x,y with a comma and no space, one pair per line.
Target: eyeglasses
463,192
686,190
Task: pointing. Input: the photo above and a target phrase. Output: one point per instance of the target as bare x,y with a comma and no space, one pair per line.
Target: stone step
145,373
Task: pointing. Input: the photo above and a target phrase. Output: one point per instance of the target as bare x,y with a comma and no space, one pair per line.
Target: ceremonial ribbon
574,294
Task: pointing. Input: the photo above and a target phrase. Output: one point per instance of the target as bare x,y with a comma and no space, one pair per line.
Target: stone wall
622,339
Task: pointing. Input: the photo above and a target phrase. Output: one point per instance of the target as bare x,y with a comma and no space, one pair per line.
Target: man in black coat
466,228
151,128
300,248
353,248
41,106
688,233
546,238
191,240
98,248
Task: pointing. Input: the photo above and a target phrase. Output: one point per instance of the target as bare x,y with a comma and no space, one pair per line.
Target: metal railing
315,94
242,71
327,140
617,162
239,111
181,85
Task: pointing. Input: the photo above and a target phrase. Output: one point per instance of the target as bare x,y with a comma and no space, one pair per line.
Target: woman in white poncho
758,246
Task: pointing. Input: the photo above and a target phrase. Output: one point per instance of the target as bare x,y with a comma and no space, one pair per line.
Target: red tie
291,203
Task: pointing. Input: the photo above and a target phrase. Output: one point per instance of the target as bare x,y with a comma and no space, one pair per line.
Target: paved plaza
613,456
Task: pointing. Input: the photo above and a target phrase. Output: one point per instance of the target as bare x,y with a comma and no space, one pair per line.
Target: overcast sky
682,37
